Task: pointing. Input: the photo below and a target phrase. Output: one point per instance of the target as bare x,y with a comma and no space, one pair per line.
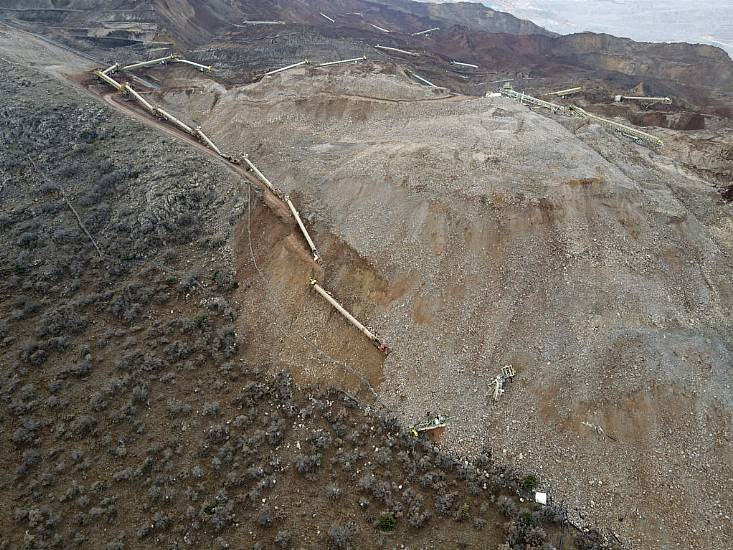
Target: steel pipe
569,91
389,49
643,99
205,139
327,17
471,65
424,80
109,80
199,66
262,177
148,107
368,333
260,23
110,70
304,62
170,118
303,230
508,91
379,28
426,31
622,128
354,60
141,64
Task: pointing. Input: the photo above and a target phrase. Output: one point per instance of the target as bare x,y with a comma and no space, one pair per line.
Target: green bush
529,483
527,518
387,523
463,512
201,320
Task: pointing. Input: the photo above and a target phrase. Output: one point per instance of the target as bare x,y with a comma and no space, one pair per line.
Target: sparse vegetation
529,482
387,523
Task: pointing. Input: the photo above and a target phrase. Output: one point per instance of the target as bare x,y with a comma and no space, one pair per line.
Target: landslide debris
601,270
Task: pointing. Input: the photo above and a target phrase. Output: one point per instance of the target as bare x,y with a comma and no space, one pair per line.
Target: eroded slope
599,269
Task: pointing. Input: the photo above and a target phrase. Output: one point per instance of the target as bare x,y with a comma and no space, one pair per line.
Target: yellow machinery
428,425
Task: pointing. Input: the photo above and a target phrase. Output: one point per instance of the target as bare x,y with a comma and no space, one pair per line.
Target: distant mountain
500,43
196,21
709,22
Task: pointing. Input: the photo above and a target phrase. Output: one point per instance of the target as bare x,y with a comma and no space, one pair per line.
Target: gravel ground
599,269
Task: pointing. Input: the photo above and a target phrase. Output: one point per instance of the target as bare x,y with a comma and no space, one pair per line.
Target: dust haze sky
705,21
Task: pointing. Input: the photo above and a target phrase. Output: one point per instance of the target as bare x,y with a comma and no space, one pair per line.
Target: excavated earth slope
131,415
492,235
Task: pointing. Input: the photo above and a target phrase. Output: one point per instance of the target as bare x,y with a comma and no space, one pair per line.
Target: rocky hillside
698,77
483,234
469,230
196,21
685,63
130,411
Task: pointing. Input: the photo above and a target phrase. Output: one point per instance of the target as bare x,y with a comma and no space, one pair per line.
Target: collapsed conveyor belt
197,133
162,61
628,131
633,133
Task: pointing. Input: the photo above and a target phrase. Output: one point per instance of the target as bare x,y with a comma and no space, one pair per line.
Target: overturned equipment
637,135
644,100
523,98
231,158
293,66
497,384
428,425
364,330
303,230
